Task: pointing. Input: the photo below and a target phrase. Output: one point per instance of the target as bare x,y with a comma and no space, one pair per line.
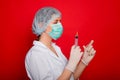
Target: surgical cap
42,18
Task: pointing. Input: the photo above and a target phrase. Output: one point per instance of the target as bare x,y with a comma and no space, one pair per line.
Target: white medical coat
42,64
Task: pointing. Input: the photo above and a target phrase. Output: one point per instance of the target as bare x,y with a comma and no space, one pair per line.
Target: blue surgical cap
42,18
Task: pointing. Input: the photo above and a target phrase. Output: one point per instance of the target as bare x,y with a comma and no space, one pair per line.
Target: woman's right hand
75,56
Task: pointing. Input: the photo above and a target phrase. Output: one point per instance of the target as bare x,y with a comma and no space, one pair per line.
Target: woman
45,60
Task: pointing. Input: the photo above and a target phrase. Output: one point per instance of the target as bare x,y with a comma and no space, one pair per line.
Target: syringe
76,39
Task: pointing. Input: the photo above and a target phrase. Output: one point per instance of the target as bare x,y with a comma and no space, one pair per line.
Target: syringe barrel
76,41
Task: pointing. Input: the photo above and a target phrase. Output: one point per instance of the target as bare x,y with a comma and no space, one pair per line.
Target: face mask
57,30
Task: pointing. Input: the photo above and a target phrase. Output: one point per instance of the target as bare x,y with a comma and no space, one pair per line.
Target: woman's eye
55,22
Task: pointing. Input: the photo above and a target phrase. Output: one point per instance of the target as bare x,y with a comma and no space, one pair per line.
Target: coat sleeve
38,67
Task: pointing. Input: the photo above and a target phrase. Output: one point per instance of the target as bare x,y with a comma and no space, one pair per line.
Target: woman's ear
48,29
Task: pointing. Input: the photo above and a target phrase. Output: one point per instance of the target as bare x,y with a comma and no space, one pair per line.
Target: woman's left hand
89,53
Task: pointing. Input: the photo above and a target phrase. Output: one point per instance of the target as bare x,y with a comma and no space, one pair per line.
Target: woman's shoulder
36,51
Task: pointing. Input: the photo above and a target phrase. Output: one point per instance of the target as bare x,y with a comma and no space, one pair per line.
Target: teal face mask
57,30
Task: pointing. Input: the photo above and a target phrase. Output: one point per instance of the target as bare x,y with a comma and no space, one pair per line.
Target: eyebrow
57,20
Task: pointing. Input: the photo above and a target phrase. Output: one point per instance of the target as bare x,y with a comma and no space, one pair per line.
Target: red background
93,19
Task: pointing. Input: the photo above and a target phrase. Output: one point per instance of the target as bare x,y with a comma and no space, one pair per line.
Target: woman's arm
75,56
88,55
65,75
80,68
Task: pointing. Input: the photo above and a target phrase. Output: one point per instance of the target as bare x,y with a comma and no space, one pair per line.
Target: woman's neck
46,39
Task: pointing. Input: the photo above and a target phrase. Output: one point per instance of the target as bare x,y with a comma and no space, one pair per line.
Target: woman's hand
89,53
75,56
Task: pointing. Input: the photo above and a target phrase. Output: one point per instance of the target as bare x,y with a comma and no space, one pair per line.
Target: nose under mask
57,30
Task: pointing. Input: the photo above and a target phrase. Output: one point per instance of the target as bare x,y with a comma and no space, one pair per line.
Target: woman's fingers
89,48
76,47
84,47
91,42
92,52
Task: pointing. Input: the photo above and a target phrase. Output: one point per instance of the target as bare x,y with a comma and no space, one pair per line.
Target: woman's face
55,21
